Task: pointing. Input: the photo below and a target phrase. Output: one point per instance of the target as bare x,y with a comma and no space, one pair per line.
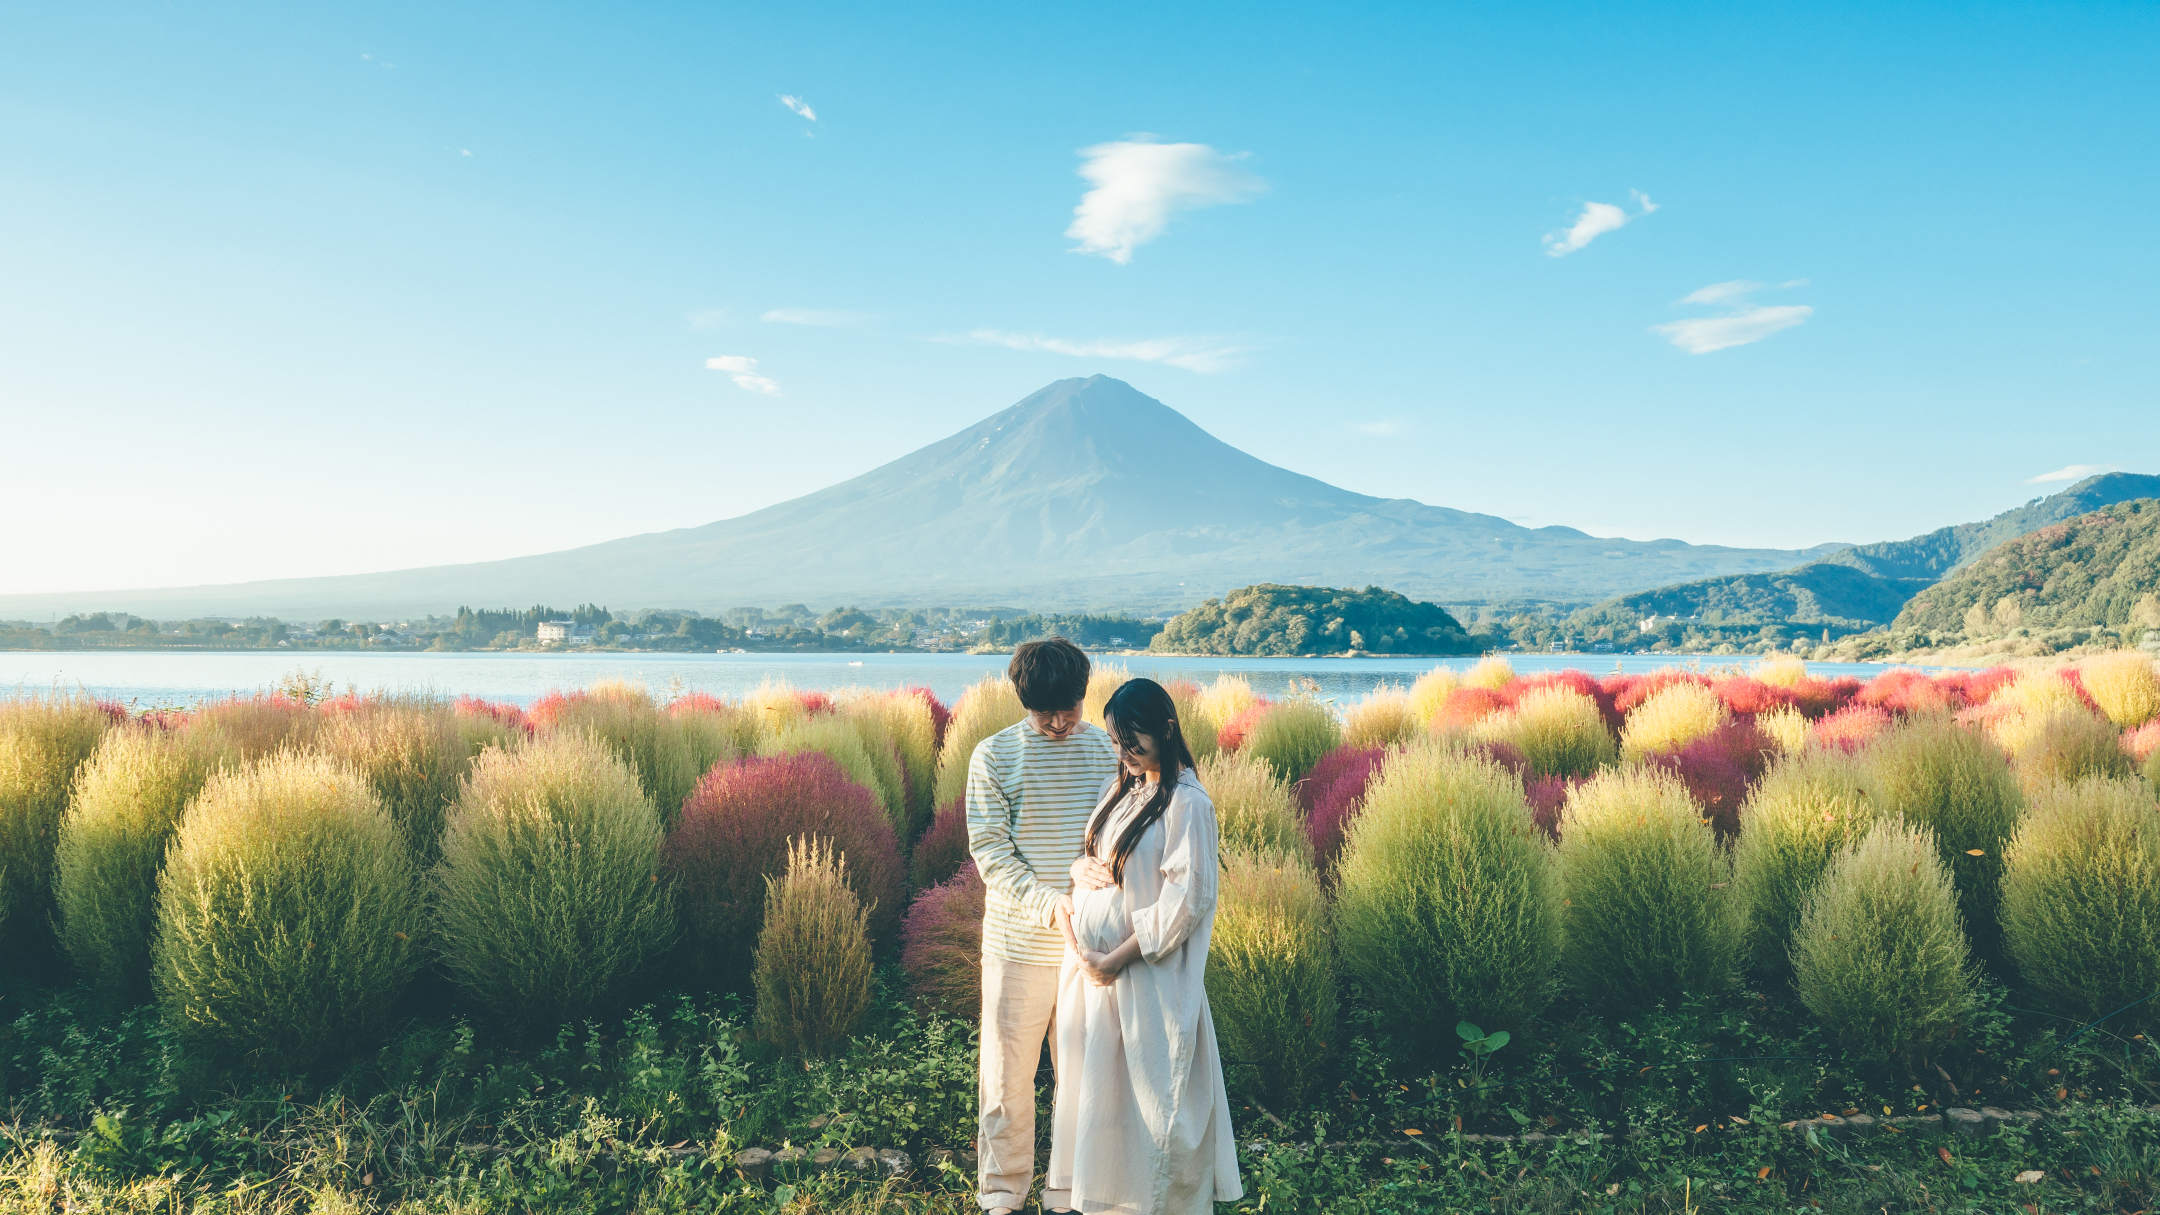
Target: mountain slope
1856,588
2100,570
1087,493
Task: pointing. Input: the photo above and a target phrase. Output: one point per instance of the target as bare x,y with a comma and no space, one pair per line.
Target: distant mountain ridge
1086,494
2098,570
1858,588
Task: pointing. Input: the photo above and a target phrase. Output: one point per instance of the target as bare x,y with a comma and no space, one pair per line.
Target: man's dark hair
1049,675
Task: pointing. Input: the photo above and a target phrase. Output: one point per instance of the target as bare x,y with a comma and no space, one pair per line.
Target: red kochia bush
1748,696
1905,693
1233,733
1851,727
509,716
2143,741
1547,796
1977,687
1720,768
1332,794
943,848
1818,697
941,946
814,703
940,713
733,833
697,702
1628,691
1466,707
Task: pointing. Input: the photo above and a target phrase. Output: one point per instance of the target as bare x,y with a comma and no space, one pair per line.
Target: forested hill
1269,620
2099,571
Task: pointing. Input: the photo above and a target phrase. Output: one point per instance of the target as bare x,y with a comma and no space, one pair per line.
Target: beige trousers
1018,1001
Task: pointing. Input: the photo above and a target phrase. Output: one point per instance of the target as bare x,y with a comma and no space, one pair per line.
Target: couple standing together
1098,852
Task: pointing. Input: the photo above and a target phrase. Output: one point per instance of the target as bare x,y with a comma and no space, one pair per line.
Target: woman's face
1142,755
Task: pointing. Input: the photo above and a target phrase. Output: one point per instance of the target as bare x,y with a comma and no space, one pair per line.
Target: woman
1140,1124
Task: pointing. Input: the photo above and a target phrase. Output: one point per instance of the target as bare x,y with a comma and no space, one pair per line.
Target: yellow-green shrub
2081,896
1673,716
1644,879
813,954
2062,744
286,911
1559,731
250,727
1448,899
1383,719
771,708
1781,671
1880,956
1787,727
1102,681
1492,673
2039,690
2124,685
128,801
1952,781
1271,975
1225,700
1292,736
413,754
1254,809
668,754
903,722
986,707
1805,808
547,898
1193,720
43,740
1429,694
875,768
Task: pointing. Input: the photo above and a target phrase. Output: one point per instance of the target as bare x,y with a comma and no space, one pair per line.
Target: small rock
937,1158
965,1158
1832,1124
824,1159
860,1160
893,1162
2031,1177
818,1123
1536,1139
756,1163
1966,1122
789,1160
1860,1124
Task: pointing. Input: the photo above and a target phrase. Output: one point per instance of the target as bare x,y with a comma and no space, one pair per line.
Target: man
1030,790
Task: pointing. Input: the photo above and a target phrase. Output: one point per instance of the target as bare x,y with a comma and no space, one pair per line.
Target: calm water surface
164,677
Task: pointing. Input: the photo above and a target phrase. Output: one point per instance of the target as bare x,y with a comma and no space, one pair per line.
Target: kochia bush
1254,810
413,754
1292,736
128,801
2081,897
286,912
1193,721
985,708
1332,794
1271,976
1880,956
1719,768
548,896
942,850
813,953
1805,808
2124,685
846,746
1952,781
43,740
1383,719
1644,878
1669,718
941,945
1448,900
2062,744
1559,732
734,833
667,754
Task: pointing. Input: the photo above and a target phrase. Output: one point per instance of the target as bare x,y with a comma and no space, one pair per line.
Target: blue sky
363,287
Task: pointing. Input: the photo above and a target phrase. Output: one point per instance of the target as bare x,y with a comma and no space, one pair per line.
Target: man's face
1059,723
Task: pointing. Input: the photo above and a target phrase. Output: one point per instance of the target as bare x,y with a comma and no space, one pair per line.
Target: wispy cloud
1740,323
1596,220
2072,472
1138,184
1206,355
1382,429
742,369
819,318
798,105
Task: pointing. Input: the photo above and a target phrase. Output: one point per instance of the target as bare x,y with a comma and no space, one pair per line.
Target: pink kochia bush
1467,707
943,848
1332,794
1905,693
510,717
1851,727
941,946
1747,696
940,712
1719,769
1233,733
734,832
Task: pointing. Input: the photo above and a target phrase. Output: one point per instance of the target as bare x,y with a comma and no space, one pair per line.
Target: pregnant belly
1100,920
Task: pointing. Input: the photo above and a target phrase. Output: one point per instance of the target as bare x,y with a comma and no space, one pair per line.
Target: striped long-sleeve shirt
1028,801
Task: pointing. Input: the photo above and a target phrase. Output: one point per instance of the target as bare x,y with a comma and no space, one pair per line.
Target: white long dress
1140,1124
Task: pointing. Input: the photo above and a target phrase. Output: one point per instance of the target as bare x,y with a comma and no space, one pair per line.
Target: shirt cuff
1043,903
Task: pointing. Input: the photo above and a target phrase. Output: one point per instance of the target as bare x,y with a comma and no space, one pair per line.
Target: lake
147,678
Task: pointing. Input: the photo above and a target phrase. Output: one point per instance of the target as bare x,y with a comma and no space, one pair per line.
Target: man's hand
1090,874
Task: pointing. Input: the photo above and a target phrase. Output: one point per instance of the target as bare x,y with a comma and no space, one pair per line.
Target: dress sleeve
996,852
1191,872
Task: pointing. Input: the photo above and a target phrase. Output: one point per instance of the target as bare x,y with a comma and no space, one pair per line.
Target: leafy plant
813,955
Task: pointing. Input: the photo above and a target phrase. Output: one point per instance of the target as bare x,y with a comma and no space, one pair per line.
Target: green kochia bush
867,760
986,707
1292,736
128,801
1952,781
412,752
1645,886
286,911
1804,809
43,740
1448,899
1271,975
1880,956
548,896
2081,897
1559,731
813,955
667,753
1254,810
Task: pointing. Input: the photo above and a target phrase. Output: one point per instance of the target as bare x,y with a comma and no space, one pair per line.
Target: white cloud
819,318
1206,355
2072,472
1596,220
742,369
1741,323
1138,184
798,105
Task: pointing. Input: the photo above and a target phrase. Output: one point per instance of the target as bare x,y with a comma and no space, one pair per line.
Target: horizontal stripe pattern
1028,802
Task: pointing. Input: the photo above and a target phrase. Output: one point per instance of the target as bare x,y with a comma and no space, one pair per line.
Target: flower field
401,952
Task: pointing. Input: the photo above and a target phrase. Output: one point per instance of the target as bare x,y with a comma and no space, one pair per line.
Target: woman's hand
1089,874
1097,968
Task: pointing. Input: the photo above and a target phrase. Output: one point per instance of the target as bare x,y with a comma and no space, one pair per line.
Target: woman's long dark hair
1141,706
